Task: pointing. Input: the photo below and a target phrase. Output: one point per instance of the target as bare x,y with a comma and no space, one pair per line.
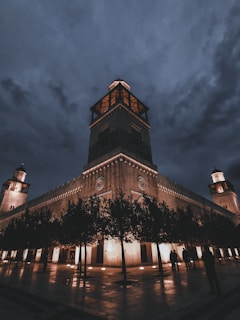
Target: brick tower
120,156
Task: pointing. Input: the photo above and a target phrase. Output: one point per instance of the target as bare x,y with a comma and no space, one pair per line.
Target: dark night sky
181,58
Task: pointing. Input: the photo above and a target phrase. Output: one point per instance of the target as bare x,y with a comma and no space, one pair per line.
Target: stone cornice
56,198
119,158
203,204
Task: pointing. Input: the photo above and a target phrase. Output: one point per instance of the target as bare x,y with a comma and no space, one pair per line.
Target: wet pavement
61,293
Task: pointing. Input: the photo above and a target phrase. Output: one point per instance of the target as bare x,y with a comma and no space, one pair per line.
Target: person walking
186,258
175,259
173,262
209,263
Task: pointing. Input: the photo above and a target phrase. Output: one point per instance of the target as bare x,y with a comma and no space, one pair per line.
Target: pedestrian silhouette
209,263
72,257
176,259
186,258
193,258
172,261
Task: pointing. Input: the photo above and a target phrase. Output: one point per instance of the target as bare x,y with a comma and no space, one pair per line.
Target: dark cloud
181,58
58,91
202,114
233,170
18,95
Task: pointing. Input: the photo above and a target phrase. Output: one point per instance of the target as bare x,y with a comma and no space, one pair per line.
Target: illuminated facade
120,157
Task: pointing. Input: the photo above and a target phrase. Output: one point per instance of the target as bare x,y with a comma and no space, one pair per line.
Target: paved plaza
60,293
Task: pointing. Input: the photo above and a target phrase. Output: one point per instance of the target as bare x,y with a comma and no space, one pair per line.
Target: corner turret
14,191
222,192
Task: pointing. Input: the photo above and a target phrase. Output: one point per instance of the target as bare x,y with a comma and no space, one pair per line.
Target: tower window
220,189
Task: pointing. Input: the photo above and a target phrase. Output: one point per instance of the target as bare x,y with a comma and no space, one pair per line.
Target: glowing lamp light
103,268
154,267
68,265
90,268
141,268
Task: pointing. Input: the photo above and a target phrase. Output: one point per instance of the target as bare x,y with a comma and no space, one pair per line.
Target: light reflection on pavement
146,295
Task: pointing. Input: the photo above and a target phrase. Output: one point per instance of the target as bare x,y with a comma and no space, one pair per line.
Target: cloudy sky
181,58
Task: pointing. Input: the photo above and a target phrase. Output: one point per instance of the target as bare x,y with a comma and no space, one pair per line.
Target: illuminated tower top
119,124
217,175
222,192
14,191
20,173
219,184
119,92
116,82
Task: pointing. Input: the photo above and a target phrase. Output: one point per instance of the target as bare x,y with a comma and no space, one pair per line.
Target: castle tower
14,191
119,124
222,192
120,156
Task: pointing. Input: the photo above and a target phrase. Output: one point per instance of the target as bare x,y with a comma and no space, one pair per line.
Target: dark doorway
30,255
72,256
99,252
143,253
62,255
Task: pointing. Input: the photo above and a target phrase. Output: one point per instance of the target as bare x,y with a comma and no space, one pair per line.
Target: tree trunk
45,259
80,259
160,268
85,259
124,271
192,257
